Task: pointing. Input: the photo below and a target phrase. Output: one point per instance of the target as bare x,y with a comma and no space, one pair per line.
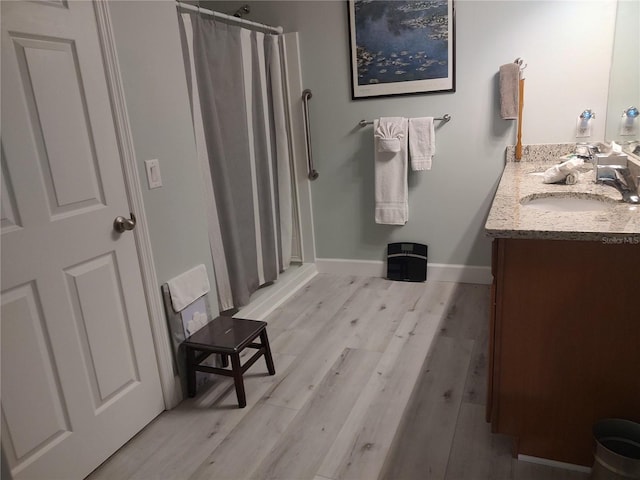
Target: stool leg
267,352
191,372
237,378
224,360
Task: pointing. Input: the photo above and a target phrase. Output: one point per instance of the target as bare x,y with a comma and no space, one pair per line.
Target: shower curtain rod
224,16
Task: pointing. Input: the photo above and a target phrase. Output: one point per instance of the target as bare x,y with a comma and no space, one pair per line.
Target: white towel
509,91
188,287
572,178
422,142
558,173
390,133
391,189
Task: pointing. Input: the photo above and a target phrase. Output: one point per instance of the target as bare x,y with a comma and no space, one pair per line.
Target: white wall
155,87
567,45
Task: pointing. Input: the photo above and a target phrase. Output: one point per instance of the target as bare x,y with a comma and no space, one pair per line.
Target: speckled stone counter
509,218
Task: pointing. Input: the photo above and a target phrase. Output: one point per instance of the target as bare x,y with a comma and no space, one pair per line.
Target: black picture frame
401,47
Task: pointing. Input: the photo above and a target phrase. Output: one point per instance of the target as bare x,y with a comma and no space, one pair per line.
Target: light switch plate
153,173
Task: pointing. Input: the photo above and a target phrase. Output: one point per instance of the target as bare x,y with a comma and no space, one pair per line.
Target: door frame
170,383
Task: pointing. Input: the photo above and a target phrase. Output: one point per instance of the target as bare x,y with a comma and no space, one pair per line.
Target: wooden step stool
228,337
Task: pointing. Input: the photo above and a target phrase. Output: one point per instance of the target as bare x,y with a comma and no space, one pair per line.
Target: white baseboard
267,299
361,268
439,272
554,463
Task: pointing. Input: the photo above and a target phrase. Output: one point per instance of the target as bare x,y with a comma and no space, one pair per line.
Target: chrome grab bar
306,95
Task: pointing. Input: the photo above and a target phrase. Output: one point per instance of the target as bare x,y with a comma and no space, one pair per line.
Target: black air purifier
407,262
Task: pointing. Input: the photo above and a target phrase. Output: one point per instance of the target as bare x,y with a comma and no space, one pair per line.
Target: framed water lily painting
401,47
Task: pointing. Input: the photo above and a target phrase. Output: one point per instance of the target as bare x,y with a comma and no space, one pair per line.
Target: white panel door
79,372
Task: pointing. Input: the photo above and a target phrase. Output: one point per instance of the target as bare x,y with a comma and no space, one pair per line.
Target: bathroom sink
566,203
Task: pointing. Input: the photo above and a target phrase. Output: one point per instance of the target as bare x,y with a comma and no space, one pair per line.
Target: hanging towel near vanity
422,143
509,91
391,189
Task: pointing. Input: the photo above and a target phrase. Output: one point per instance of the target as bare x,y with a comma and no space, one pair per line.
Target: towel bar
445,118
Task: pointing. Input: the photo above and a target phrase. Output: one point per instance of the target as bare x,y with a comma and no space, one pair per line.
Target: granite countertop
508,218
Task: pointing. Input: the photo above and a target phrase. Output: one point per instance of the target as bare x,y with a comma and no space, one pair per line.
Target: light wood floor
353,396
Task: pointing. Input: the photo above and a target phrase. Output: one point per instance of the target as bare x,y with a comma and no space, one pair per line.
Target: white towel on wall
390,133
188,287
422,143
391,189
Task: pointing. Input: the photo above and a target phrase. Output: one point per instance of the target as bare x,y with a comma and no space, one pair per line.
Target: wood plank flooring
444,434
374,379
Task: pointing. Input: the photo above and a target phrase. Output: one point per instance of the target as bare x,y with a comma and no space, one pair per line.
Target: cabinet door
566,343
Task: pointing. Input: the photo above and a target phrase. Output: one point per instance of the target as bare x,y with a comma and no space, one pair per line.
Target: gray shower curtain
236,88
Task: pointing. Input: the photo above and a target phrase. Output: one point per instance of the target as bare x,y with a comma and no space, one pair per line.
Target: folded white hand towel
509,91
188,287
422,142
558,173
391,189
553,175
390,133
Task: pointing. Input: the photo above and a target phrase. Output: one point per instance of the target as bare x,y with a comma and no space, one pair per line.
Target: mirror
624,79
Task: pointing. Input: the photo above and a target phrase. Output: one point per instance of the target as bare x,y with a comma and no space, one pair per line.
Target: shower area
245,91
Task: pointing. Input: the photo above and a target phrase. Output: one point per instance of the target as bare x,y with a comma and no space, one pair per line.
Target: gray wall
567,46
155,87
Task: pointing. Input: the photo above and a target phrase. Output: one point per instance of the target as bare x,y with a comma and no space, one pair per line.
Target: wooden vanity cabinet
564,342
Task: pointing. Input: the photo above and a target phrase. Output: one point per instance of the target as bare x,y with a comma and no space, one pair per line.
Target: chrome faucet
587,152
614,175
619,177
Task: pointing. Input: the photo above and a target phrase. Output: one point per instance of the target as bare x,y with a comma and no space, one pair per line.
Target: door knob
121,224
